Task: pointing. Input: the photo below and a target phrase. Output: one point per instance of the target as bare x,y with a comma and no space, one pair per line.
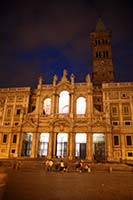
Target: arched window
81,105
47,106
64,102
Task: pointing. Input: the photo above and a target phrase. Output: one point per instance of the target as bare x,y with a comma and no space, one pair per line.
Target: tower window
116,140
107,54
4,138
104,54
96,54
18,111
96,42
14,138
99,54
99,42
103,41
129,140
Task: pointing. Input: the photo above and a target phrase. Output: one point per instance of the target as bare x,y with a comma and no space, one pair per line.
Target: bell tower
102,65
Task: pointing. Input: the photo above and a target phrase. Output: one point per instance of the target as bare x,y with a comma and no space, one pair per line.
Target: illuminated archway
43,144
80,148
61,148
27,144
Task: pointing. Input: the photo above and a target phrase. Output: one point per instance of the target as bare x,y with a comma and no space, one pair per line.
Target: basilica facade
92,120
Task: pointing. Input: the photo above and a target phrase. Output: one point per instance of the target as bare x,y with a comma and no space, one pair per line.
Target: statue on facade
88,79
55,78
40,80
64,77
72,78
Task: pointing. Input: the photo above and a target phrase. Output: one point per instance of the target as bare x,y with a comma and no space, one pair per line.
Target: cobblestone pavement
39,185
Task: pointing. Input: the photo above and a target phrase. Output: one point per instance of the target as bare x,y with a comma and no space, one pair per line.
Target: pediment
29,121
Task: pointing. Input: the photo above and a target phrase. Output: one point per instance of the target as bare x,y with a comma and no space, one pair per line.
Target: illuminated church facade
92,120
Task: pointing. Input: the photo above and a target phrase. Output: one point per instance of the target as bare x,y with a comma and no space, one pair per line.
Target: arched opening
80,148
47,106
99,147
64,102
27,144
81,105
61,148
43,144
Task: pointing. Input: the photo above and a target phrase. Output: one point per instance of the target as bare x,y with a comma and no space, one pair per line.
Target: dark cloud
44,37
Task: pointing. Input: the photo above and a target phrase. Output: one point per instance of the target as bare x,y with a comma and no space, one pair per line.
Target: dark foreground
39,185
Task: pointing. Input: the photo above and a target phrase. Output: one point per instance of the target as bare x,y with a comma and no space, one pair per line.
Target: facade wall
115,123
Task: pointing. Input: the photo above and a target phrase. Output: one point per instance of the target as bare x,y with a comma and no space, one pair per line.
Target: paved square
39,185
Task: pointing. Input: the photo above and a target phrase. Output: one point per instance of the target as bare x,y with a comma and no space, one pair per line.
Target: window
104,54
114,110
129,140
115,123
13,150
116,140
4,138
18,111
130,154
127,123
14,139
64,102
96,54
99,54
47,106
9,112
107,54
81,105
126,110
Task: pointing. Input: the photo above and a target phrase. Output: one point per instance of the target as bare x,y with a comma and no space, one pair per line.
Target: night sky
42,38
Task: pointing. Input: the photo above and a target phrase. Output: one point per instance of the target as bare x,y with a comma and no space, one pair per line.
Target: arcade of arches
62,148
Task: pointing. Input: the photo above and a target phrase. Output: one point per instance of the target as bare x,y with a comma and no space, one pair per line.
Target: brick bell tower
102,65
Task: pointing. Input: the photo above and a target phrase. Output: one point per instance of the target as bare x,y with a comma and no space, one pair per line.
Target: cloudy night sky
42,38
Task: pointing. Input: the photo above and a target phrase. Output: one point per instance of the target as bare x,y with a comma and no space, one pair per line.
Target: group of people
62,166
50,165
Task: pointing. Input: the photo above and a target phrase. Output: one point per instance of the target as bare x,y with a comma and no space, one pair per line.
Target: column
20,143
71,146
71,104
122,146
53,103
50,145
108,145
9,144
131,105
37,138
57,104
33,145
89,145
54,138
